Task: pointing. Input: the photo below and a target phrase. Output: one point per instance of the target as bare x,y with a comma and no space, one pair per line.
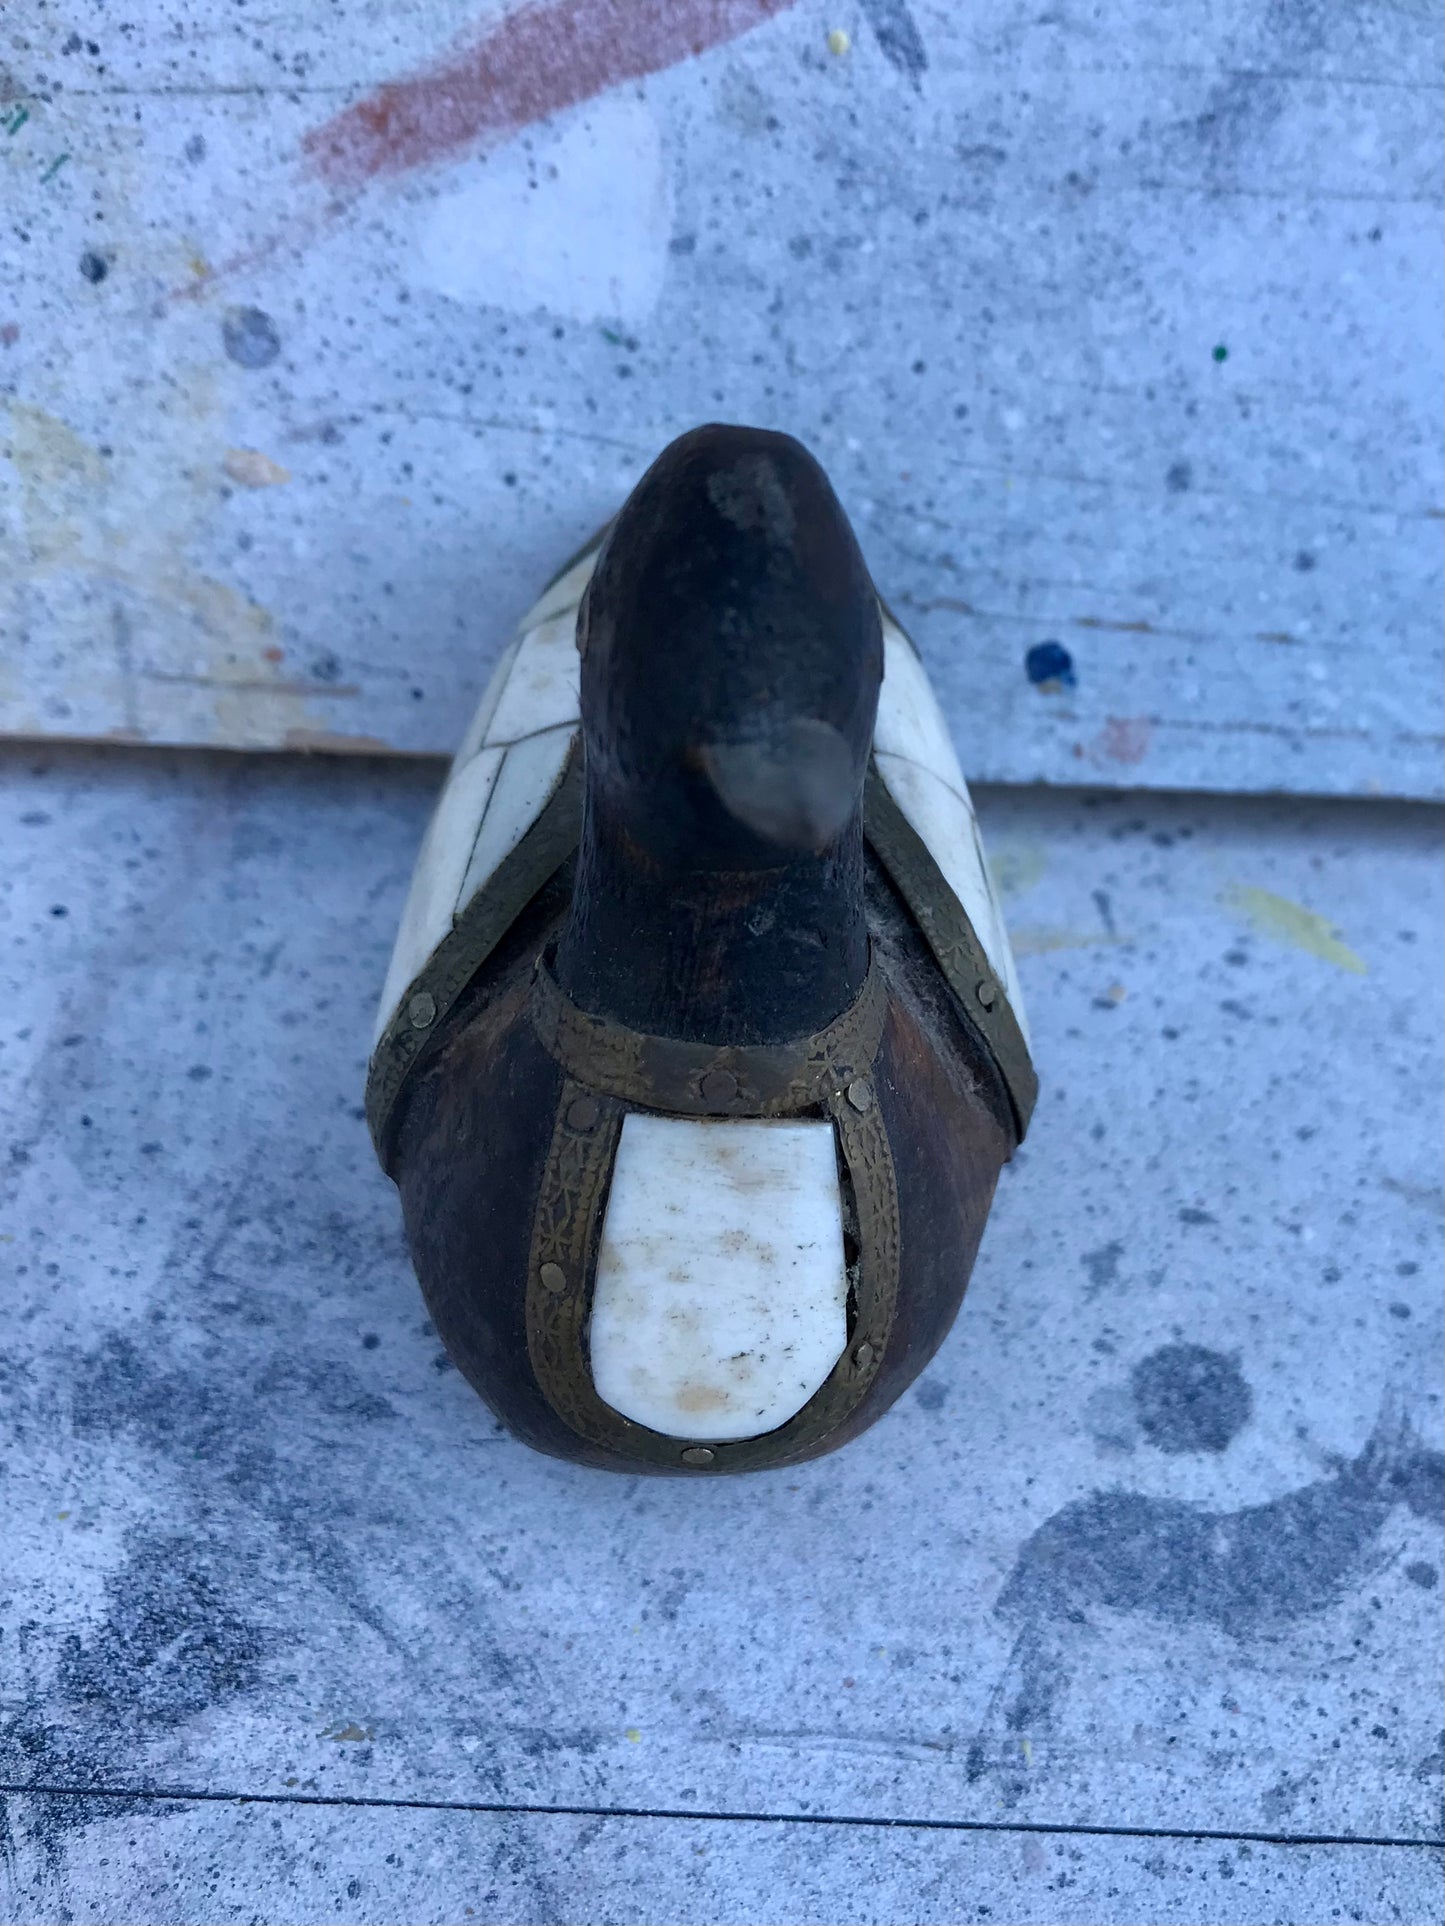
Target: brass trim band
689,1079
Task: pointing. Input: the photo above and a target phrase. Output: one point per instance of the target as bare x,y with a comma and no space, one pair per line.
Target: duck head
731,659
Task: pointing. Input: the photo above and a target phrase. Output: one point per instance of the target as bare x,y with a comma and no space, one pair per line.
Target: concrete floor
1130,1612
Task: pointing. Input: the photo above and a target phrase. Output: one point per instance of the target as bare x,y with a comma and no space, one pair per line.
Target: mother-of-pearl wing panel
720,1303
916,759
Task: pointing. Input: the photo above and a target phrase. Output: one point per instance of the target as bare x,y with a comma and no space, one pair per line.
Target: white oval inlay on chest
720,1303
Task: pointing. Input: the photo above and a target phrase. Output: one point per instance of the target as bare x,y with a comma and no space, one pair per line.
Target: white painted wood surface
1120,330
721,1294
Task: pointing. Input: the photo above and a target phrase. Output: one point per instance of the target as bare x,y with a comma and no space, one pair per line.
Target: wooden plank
1121,334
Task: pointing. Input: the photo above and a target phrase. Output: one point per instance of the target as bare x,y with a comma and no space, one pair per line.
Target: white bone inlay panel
530,771
445,852
513,752
916,759
721,1295
541,691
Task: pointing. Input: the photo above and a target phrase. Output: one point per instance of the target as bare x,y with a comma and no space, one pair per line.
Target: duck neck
719,956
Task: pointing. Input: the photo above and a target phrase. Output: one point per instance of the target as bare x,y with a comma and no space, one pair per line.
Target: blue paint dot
1050,662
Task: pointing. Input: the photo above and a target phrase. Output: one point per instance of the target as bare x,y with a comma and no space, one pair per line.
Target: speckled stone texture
1152,1551
327,332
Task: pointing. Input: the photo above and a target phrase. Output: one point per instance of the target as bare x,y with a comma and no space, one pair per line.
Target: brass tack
863,1356
719,1086
697,1455
583,1112
859,1094
422,1009
553,1277
987,993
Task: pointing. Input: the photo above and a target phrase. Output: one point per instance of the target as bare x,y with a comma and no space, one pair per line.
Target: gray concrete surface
174,1864
1153,1548
1119,328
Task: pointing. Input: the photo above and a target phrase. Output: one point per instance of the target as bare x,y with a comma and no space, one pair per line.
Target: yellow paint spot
839,41
632,1735
252,469
349,1731
1283,921
62,1514
1017,867
1116,993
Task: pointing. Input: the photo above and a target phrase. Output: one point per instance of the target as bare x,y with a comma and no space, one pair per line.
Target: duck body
702,1048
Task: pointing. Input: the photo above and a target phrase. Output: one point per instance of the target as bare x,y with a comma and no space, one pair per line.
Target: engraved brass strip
691,1079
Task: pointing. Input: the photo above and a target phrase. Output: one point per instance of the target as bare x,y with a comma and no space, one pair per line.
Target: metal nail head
697,1455
583,1112
421,1011
719,1086
860,1094
987,993
553,1277
863,1356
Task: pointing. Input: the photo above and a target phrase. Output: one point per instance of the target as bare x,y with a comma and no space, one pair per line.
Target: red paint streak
9,334
536,61
1126,738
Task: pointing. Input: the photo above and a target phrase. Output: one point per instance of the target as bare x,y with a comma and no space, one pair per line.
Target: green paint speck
17,120
609,335
53,169
1221,353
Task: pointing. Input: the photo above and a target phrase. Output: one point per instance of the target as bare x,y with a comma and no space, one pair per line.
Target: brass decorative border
562,1267
476,932
981,998
693,1079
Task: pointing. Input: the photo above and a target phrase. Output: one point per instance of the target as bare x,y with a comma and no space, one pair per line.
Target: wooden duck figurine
702,1046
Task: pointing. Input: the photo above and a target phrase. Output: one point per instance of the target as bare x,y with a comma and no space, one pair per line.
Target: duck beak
796,786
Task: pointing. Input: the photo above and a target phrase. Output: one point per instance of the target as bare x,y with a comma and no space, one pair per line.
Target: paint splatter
839,41
94,267
899,40
1240,1570
1125,738
576,221
251,469
1282,921
1189,1398
533,62
1221,353
1016,867
1102,1267
250,337
1249,1573
1050,667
